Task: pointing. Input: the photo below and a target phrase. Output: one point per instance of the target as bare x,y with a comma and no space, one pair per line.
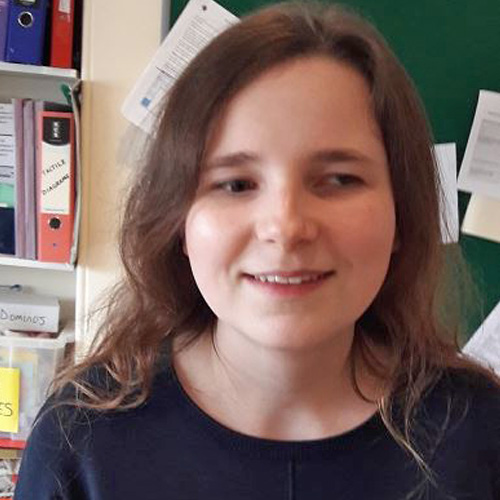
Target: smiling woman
277,333
299,157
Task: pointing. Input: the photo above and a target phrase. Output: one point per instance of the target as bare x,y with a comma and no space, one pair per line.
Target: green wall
451,49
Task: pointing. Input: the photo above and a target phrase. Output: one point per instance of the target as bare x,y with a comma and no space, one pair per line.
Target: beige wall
119,38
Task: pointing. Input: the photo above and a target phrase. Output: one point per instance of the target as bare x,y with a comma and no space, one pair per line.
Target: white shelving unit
35,82
38,71
112,61
7,260
46,83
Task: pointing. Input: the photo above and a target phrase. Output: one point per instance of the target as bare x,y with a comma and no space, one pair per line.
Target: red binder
55,185
61,47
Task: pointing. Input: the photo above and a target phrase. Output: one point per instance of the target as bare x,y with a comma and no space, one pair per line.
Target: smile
297,279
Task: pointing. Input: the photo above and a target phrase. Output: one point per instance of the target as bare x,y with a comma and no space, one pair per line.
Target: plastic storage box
38,360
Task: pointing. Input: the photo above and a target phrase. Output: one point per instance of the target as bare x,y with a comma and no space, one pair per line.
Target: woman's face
291,232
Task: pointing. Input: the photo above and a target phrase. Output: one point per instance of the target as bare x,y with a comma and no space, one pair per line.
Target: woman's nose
287,219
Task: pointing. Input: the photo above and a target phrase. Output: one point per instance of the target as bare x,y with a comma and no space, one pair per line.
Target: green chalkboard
451,50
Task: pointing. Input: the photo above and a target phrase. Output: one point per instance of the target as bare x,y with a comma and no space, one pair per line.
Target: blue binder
26,31
4,16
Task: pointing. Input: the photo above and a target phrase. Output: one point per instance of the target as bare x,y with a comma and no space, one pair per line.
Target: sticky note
9,399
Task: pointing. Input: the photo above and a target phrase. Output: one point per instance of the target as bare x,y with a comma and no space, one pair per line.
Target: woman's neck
277,393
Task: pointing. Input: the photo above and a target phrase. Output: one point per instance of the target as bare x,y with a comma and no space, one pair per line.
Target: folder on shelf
19,213
7,180
61,46
29,179
26,31
55,185
4,16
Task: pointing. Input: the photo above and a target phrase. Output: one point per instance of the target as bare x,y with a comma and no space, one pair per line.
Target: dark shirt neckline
362,436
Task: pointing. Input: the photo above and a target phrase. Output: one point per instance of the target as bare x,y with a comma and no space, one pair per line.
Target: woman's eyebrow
339,155
334,155
232,160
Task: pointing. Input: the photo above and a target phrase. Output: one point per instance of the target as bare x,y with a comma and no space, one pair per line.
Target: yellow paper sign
9,399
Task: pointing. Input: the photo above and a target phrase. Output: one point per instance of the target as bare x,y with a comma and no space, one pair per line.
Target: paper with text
7,156
446,159
7,145
198,24
9,399
484,345
480,170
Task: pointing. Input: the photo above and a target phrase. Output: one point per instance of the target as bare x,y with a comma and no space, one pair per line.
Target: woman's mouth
289,283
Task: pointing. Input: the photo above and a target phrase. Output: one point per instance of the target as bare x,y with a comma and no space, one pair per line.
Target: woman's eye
332,183
343,179
236,185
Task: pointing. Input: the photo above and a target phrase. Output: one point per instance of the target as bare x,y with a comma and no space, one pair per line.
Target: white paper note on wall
199,23
482,218
484,345
446,158
480,169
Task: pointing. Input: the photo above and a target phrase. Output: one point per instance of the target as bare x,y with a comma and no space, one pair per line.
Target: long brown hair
158,299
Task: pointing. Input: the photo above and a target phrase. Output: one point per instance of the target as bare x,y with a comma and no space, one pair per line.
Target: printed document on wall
198,24
484,345
480,170
446,159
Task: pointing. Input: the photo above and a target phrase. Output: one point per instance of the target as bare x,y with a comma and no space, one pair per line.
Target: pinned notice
484,345
480,170
9,399
198,24
446,158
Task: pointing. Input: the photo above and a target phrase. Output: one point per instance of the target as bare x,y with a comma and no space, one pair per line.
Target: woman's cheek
207,240
201,227
369,232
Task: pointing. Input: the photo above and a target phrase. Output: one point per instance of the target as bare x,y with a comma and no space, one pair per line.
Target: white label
55,179
6,119
65,6
7,145
7,154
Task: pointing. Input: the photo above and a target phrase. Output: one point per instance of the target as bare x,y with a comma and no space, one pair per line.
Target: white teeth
283,280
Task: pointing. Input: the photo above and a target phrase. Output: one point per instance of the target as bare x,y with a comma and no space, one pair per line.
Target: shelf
25,81
31,70
6,260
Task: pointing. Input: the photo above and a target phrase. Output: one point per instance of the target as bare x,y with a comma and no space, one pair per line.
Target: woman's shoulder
72,402
66,434
468,385
67,421
468,401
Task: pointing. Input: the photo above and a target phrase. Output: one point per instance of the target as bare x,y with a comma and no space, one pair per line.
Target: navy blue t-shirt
169,449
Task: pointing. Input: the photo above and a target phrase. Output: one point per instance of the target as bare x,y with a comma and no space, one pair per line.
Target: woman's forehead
311,103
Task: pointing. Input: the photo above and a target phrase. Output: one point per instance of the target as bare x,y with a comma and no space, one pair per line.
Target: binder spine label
65,6
55,188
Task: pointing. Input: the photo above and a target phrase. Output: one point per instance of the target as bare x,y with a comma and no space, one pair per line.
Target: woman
276,335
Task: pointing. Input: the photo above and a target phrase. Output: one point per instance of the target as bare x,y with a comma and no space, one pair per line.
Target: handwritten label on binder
9,399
